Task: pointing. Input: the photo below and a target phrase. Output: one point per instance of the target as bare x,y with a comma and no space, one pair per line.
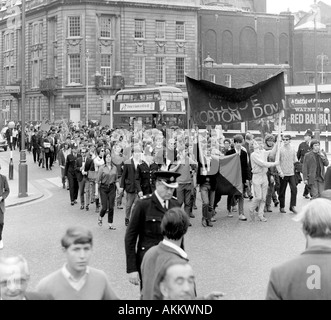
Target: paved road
233,256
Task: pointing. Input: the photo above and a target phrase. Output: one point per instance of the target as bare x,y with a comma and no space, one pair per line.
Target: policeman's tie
165,205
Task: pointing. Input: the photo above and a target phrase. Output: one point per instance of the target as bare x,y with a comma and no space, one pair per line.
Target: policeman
145,222
145,178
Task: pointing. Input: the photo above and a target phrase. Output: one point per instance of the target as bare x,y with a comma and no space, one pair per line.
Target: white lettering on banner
149,106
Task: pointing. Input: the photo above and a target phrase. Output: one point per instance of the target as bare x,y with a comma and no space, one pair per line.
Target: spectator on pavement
76,280
313,169
4,193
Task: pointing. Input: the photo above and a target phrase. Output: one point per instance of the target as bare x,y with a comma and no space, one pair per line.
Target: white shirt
76,284
175,247
162,201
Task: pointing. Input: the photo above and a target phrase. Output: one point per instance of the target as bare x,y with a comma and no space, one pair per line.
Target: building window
139,70
37,33
160,70
105,27
160,30
8,40
74,69
35,74
228,80
74,27
107,107
139,29
212,78
180,70
106,69
8,70
180,30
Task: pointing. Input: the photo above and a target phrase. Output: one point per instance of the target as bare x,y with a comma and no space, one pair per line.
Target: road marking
56,181
44,183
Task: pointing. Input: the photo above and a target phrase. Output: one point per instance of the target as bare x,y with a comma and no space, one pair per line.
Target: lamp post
87,60
317,113
326,112
23,167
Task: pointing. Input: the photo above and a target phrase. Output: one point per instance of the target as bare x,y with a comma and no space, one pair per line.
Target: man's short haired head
14,277
174,224
238,138
249,136
316,218
308,133
77,235
313,142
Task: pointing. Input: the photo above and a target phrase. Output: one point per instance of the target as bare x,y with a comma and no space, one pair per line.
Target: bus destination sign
145,106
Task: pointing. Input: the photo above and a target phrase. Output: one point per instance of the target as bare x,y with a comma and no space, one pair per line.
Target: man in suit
145,224
313,169
81,174
35,146
238,142
128,181
4,192
303,149
308,276
14,279
70,173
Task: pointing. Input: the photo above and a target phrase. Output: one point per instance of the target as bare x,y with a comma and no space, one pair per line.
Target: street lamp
317,112
208,63
326,112
87,60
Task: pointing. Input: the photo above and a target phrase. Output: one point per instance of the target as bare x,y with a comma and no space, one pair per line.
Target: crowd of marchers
159,174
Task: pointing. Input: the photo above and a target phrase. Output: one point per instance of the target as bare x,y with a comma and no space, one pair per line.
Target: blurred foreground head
14,278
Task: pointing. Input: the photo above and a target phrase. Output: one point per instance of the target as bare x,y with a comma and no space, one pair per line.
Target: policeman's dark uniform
145,224
145,177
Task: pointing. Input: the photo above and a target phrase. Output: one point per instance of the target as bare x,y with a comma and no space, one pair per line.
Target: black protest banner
213,104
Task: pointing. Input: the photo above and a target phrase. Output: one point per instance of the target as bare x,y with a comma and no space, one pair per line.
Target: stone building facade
78,54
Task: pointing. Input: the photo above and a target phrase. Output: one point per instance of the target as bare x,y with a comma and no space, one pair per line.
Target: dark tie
165,205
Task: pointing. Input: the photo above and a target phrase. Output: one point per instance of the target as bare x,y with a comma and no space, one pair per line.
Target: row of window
160,70
105,25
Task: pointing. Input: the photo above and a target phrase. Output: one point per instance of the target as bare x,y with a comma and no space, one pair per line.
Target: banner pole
279,135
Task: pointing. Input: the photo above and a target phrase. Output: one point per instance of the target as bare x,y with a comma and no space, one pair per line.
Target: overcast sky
276,6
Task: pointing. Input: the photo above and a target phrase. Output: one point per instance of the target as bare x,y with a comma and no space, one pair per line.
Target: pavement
33,193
